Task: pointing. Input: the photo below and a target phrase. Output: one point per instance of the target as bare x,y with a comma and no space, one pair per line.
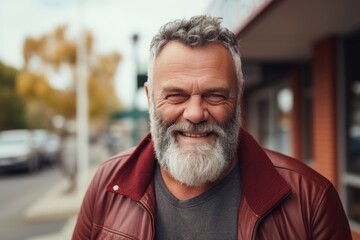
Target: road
18,190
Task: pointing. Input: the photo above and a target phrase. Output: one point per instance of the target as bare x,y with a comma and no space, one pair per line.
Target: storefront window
284,100
270,118
354,128
352,58
263,108
352,164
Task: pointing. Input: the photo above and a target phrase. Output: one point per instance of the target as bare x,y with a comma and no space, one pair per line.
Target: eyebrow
172,89
207,90
218,89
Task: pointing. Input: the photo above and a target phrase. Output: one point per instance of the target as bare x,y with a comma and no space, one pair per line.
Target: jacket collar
262,185
137,172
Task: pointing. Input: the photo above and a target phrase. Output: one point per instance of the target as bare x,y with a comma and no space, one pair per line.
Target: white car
18,150
48,144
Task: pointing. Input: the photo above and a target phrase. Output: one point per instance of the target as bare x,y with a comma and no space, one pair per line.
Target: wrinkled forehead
210,63
212,51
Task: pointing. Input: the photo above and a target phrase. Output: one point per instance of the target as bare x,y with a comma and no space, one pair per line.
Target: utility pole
82,133
135,130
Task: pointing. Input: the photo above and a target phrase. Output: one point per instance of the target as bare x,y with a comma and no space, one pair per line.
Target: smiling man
194,113
198,174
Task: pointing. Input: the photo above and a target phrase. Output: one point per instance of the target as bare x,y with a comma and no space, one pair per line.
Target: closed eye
214,99
176,98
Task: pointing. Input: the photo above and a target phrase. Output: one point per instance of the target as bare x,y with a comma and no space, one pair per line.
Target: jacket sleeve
330,221
84,224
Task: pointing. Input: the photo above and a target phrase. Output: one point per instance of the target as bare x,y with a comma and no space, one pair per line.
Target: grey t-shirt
211,215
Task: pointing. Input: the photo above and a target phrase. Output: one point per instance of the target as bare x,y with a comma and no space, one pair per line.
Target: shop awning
287,29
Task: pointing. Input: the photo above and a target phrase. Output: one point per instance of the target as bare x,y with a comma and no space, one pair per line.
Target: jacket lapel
137,172
262,185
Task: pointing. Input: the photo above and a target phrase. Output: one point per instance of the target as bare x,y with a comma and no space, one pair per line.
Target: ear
242,86
147,91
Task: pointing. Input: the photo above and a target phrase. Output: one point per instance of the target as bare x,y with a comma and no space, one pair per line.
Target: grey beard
195,164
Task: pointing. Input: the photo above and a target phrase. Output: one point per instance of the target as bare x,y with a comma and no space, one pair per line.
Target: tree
52,52
12,106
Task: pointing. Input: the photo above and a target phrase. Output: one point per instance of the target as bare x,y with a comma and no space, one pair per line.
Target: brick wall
324,109
325,112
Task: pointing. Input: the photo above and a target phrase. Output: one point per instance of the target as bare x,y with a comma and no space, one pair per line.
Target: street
18,190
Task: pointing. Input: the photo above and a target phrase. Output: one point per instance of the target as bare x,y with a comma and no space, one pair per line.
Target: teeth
193,135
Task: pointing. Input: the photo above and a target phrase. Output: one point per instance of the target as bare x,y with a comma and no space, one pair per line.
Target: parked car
48,144
18,150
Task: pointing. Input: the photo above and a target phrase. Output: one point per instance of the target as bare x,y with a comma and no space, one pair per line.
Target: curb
57,203
65,233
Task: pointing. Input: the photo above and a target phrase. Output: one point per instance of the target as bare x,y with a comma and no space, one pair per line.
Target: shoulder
312,196
309,189
296,172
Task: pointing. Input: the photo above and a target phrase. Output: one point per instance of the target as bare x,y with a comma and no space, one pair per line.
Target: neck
184,192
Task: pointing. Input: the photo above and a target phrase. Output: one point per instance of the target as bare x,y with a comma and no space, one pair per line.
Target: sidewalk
65,233
56,204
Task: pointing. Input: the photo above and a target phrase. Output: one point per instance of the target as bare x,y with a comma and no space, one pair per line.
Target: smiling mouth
195,135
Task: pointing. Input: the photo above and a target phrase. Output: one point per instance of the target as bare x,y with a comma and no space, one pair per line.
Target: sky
112,22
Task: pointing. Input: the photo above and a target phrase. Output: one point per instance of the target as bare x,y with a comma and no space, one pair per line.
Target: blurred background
71,94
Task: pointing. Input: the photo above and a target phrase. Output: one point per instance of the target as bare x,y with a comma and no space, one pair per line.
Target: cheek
221,114
169,113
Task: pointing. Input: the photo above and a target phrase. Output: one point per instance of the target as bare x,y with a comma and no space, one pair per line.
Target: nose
195,111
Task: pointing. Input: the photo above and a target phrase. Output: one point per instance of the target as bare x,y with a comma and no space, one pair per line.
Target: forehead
176,60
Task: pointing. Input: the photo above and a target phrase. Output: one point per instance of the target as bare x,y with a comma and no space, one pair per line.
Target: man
199,175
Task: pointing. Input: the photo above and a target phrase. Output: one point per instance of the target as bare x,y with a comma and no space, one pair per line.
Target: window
351,48
353,160
269,117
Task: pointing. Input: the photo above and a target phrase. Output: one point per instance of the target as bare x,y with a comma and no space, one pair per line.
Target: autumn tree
12,115
50,54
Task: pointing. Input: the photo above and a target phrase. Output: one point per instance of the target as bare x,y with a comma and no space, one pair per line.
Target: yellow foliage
24,85
102,98
66,104
30,46
32,85
55,49
42,88
89,40
59,33
70,50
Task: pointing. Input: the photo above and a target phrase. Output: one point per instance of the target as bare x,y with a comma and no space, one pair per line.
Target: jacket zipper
266,214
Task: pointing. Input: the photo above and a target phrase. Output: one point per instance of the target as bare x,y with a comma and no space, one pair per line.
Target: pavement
58,203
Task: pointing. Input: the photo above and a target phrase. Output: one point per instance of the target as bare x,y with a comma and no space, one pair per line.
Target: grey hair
195,32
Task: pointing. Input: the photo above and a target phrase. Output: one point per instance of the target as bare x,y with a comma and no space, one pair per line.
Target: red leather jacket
281,198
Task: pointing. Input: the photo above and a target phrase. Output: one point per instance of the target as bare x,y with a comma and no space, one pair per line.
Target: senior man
199,175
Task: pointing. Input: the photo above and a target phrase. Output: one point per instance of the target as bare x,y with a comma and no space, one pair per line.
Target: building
301,62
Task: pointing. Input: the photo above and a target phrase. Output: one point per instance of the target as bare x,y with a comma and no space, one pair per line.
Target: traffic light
141,79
